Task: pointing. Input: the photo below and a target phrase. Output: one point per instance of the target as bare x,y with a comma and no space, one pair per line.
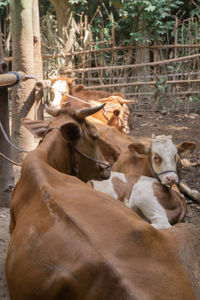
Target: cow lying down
159,204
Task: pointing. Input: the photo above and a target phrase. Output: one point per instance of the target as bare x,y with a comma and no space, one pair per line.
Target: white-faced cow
152,158
69,241
60,90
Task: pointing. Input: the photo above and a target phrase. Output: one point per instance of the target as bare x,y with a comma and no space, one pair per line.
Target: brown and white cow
115,113
69,241
62,87
159,158
161,206
60,90
150,159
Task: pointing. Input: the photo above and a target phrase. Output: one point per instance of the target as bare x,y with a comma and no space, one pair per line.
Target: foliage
147,20
3,5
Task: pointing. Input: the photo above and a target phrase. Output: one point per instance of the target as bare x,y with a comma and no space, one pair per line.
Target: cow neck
58,154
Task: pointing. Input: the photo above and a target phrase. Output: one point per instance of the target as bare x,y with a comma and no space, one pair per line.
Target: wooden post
6,169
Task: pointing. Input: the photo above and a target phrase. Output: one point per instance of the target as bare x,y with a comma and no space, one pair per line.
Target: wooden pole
6,168
140,83
45,55
8,79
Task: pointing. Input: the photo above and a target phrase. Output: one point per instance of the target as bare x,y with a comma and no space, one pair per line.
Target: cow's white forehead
163,144
60,86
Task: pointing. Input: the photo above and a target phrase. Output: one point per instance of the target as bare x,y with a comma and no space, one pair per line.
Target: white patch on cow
142,197
106,186
59,87
164,147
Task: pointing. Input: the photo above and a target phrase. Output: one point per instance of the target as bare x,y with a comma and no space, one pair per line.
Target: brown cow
115,112
62,87
80,92
69,241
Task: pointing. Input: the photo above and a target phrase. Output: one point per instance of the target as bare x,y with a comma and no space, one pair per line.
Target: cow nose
171,179
105,170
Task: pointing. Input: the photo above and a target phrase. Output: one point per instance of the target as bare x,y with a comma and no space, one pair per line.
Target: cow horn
51,111
123,101
85,112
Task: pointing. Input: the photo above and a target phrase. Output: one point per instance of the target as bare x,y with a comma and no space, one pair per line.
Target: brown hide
71,242
173,202
78,91
112,142
184,239
114,113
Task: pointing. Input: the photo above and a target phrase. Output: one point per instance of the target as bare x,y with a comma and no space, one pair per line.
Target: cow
115,113
60,90
69,241
62,87
160,205
150,158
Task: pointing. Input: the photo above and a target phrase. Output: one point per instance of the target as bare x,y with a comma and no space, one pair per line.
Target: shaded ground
180,126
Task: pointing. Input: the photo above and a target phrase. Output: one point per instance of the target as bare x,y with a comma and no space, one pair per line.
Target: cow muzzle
104,170
170,179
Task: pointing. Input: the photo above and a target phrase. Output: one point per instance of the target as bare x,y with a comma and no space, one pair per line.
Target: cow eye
157,158
95,136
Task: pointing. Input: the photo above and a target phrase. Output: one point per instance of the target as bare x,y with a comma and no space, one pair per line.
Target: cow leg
193,194
143,198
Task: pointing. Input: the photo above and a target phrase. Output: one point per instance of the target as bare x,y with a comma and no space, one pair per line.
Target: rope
18,79
7,139
10,160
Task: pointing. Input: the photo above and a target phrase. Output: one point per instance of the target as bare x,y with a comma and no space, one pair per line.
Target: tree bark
39,106
65,24
6,169
23,60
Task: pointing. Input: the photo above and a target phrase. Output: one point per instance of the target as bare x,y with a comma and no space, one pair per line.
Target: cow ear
186,148
37,128
138,148
71,132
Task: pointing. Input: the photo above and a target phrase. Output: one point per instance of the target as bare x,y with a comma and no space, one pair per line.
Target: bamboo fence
156,76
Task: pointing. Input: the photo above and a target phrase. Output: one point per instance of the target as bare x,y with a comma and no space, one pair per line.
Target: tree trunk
6,169
39,106
142,56
66,25
23,60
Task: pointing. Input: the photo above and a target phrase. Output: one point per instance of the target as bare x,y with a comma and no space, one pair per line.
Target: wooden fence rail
134,66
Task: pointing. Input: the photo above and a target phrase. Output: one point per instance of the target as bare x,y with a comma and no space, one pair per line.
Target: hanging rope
10,160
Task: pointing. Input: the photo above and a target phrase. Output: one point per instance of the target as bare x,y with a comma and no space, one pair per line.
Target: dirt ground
180,126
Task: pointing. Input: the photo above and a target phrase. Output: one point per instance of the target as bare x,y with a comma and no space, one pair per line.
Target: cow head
163,157
60,89
115,112
75,136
